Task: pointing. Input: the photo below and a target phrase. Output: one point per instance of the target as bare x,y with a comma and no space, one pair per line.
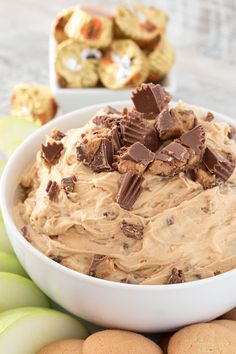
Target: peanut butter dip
163,218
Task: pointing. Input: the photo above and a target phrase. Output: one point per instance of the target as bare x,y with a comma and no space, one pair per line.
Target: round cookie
123,65
76,64
33,102
160,59
117,341
67,346
90,28
231,315
140,23
203,338
227,324
59,24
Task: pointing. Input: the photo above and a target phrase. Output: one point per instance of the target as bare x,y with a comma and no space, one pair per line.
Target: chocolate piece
194,139
51,152
130,189
217,164
187,118
205,178
170,220
132,230
133,129
107,120
68,184
57,134
97,258
87,148
110,110
150,98
103,158
168,124
209,117
115,139
176,277
52,190
232,132
137,157
171,160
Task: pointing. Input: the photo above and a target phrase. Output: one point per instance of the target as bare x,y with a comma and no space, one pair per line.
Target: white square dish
70,99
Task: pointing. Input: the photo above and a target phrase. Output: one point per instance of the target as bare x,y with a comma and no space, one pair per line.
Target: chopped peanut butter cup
217,164
132,230
187,117
137,157
150,98
68,184
168,124
52,190
103,158
130,189
57,134
177,276
51,152
115,139
133,129
170,161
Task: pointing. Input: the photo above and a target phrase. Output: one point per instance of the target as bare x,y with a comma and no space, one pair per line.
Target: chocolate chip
132,230
176,276
217,164
103,158
68,184
96,260
170,220
51,152
57,134
52,190
150,98
209,117
130,189
133,129
115,139
168,124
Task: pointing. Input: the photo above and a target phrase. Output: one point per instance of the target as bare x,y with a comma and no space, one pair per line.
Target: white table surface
203,32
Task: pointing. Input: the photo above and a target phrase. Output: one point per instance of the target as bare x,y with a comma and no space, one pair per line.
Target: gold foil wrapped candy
140,23
90,28
160,59
33,102
76,64
123,65
60,23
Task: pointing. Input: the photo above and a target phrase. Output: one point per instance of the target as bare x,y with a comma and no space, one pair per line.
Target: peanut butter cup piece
134,128
168,124
57,134
132,230
150,98
177,276
116,139
109,118
51,152
137,157
195,141
209,117
170,161
52,190
217,164
68,184
130,189
101,266
103,158
187,118
87,148
205,178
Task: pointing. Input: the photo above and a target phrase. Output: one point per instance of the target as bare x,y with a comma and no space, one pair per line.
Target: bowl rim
9,220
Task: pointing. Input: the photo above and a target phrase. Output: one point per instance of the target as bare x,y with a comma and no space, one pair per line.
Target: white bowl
70,99
145,308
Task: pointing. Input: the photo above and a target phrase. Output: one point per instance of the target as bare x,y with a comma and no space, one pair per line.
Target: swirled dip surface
180,227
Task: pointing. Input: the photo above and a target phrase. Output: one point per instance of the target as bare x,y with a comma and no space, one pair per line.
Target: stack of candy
125,49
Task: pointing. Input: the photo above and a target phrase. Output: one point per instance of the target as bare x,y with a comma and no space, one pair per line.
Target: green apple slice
27,330
18,291
13,131
5,245
9,263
